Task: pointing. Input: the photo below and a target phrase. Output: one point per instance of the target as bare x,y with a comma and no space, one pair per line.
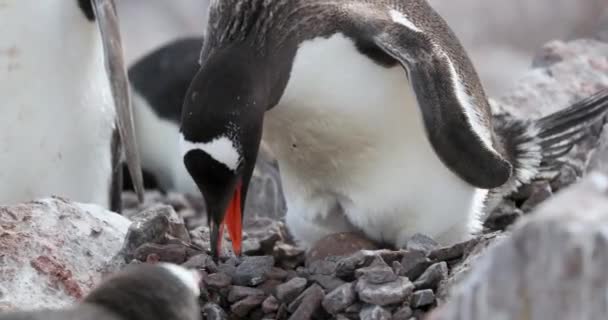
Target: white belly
351,153
56,109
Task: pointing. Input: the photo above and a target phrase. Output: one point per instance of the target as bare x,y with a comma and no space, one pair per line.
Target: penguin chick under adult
66,112
374,112
139,292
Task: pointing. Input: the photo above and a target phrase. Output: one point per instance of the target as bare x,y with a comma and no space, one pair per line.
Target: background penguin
139,292
65,103
374,112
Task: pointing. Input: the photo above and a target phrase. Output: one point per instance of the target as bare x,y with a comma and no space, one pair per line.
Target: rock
377,273
218,280
403,313
572,228
339,245
452,252
237,293
345,269
326,267
422,298
212,311
328,283
384,294
413,264
307,303
269,286
277,274
290,290
289,256
340,298
374,313
243,307
270,305
174,253
420,242
502,216
53,251
431,278
541,191
252,270
201,261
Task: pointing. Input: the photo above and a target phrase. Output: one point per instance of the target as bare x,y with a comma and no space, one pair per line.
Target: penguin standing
139,292
374,112
65,103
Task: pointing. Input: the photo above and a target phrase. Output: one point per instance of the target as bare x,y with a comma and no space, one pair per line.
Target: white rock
52,252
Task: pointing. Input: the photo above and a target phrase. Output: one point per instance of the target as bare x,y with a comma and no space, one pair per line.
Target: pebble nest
344,277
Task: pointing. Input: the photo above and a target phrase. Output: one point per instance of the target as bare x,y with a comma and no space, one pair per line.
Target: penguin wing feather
107,19
456,120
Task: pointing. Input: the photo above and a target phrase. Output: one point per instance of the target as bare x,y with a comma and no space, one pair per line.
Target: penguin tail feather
537,148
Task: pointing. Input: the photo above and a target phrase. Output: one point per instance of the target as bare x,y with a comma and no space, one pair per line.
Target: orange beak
233,221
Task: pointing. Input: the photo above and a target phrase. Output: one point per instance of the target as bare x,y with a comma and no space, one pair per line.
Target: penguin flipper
107,20
459,134
536,148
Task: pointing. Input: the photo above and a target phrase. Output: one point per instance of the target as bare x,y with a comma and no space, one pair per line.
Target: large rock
554,266
52,252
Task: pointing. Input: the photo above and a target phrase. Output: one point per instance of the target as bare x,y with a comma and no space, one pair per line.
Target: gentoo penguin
139,292
159,81
65,103
374,112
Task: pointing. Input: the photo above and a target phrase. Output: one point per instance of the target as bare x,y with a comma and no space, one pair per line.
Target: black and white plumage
139,292
373,110
65,103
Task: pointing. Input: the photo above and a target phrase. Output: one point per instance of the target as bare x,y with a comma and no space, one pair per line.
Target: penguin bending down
65,103
139,292
374,111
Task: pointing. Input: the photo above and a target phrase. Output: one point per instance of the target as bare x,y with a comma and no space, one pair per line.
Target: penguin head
146,291
221,130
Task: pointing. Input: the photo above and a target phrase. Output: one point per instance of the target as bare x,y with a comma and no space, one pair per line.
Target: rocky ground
533,243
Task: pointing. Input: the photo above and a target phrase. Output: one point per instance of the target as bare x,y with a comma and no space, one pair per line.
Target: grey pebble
270,305
218,280
378,272
421,242
237,293
431,278
422,298
290,290
384,294
329,283
201,261
340,298
413,264
453,252
252,270
372,312
308,304
345,269
214,312
243,307
403,313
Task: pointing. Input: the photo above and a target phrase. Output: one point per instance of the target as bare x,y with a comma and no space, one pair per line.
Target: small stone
325,267
329,283
541,191
277,274
309,302
174,253
340,298
339,245
149,226
413,264
403,313
290,290
374,313
243,307
431,278
270,305
218,280
453,252
201,261
251,247
354,308
269,286
420,242
238,293
268,242
503,216
252,271
212,311
345,269
377,273
178,201
342,317
384,294
422,298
